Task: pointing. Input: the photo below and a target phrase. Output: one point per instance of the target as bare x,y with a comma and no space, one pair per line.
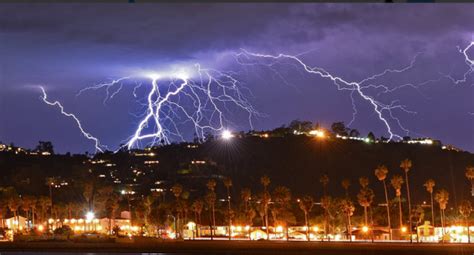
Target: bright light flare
318,133
226,135
365,229
90,216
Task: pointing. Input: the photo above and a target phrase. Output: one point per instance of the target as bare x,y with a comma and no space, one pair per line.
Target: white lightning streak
355,87
469,62
175,100
86,134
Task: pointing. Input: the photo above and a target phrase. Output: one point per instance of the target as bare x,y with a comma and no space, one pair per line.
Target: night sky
68,47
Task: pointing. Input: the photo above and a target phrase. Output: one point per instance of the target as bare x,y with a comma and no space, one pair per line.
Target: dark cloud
69,46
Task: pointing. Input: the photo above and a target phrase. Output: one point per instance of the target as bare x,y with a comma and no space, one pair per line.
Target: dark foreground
240,247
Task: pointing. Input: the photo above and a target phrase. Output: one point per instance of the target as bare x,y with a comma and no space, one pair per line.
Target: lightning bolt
469,62
384,111
175,99
44,97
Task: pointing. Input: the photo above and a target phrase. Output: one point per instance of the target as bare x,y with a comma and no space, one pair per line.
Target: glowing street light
318,133
404,229
226,135
365,229
90,216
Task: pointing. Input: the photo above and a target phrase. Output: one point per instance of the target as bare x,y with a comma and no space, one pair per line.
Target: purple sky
68,47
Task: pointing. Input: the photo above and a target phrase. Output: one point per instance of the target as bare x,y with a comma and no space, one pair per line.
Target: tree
470,176
346,183
14,202
406,166
300,126
50,182
177,190
88,194
324,180
397,181
348,208
371,136
228,185
246,195
266,198
197,207
111,207
45,146
381,173
211,198
429,185
44,204
339,128
442,197
365,199
465,209
282,198
306,204
354,133
27,205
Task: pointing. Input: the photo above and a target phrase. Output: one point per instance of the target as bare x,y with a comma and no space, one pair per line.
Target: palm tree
265,181
465,209
111,207
211,198
26,205
50,182
406,165
381,173
197,207
88,194
282,198
177,190
44,203
346,183
429,185
246,195
442,197
348,208
14,202
365,199
397,181
470,176
324,180
306,204
228,185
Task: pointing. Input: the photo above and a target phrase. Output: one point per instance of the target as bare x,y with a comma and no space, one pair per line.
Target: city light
365,229
404,229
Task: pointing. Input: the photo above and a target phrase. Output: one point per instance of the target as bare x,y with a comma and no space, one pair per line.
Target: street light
226,135
90,216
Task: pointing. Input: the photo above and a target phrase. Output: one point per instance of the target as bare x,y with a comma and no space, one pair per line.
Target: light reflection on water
86,253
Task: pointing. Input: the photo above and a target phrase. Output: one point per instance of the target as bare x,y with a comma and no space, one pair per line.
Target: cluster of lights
198,162
127,192
317,133
366,139
423,141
